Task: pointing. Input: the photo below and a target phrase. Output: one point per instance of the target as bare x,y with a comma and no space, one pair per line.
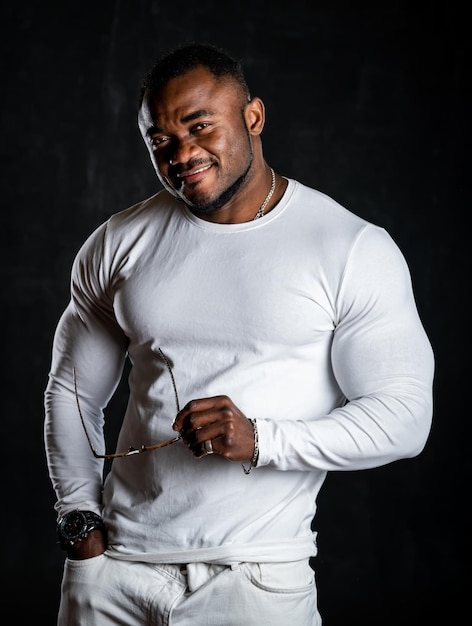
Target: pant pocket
82,565
281,577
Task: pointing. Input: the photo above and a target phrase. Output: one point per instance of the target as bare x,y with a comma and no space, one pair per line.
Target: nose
182,150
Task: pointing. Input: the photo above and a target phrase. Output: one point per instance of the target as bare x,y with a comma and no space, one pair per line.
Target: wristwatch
76,525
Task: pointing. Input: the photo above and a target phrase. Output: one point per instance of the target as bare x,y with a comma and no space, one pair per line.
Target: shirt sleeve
88,340
383,363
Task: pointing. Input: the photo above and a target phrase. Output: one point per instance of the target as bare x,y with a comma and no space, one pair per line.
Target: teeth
185,174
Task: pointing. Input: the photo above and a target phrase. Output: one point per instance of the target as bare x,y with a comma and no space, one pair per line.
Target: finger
205,448
198,413
194,406
196,439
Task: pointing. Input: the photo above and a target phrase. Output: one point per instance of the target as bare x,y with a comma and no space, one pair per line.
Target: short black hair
187,57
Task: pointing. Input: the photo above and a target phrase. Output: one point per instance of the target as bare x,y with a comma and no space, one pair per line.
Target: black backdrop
366,102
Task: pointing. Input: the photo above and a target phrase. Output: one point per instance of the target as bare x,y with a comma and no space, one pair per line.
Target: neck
255,198
263,206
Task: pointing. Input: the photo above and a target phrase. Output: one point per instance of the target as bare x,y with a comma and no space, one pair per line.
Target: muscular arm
383,363
88,339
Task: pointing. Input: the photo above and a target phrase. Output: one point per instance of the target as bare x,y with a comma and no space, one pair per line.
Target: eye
157,141
200,126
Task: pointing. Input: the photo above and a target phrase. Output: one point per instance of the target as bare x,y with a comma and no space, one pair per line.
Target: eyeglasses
131,450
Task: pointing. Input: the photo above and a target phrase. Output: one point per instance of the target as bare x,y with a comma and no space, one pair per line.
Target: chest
227,288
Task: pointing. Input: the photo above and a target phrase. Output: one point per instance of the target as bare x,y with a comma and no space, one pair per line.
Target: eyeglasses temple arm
164,358
92,447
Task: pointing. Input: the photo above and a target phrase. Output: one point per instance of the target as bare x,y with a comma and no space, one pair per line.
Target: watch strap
74,527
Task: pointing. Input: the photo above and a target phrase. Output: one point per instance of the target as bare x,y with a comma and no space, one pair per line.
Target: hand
220,421
93,545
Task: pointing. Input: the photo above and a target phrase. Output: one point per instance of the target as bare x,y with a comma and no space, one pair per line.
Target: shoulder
146,216
125,234
320,208
341,237
319,221
153,210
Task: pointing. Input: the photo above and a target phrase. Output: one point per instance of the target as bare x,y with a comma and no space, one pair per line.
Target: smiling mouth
193,175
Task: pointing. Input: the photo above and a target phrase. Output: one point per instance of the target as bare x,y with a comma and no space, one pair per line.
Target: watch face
72,525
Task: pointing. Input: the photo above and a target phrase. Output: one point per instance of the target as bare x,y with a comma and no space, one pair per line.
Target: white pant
103,591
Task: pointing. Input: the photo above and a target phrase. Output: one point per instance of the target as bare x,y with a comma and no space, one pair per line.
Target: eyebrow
188,118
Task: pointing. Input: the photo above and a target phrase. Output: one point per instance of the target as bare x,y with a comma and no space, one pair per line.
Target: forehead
197,89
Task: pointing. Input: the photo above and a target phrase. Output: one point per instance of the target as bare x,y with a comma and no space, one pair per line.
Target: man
273,336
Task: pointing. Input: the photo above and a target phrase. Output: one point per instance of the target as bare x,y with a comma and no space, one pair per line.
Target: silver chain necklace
260,213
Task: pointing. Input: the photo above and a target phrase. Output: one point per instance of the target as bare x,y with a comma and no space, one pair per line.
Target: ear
254,115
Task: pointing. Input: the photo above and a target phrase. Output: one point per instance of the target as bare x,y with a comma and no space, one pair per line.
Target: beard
204,208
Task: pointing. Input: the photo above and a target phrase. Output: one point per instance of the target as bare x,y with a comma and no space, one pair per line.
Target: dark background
366,102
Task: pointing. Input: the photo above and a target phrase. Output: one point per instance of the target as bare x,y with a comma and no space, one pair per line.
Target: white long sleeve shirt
305,318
